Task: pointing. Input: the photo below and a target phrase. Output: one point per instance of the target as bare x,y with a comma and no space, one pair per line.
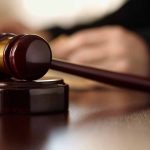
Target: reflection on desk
109,119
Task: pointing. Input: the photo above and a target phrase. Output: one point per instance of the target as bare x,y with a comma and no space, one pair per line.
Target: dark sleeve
134,15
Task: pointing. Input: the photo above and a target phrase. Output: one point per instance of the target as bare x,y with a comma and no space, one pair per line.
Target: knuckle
124,66
119,31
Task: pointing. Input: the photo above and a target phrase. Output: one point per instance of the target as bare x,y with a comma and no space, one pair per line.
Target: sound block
33,97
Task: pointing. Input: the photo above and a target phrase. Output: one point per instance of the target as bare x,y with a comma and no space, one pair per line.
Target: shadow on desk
24,132
99,118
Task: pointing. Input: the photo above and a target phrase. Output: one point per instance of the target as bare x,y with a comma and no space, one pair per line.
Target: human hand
110,47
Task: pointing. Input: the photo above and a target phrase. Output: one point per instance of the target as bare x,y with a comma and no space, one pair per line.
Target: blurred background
112,35
41,14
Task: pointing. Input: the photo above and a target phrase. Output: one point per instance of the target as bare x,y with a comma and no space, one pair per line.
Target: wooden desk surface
98,119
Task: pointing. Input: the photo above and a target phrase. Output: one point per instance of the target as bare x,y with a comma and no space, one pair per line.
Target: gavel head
25,57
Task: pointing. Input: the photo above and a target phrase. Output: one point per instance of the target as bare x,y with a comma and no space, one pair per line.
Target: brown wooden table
98,119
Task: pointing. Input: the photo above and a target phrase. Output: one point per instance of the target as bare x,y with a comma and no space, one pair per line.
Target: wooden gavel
29,57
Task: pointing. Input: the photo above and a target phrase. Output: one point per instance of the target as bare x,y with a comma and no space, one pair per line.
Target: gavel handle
112,78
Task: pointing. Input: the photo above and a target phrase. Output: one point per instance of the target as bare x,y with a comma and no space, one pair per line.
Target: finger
57,46
116,65
90,54
64,46
86,37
